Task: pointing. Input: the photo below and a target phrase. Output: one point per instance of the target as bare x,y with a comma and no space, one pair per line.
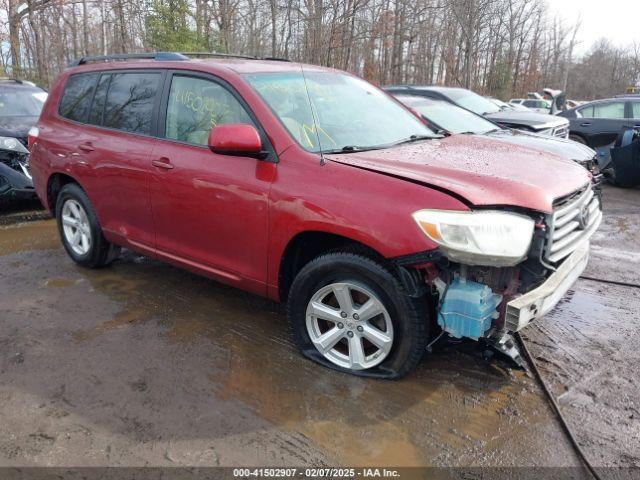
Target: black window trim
631,103
164,105
154,111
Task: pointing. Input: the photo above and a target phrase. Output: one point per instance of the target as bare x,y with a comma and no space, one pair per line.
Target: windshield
351,113
451,118
473,101
16,102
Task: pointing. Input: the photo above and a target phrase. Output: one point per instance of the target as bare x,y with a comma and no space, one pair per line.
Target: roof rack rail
157,56
218,54
276,59
233,55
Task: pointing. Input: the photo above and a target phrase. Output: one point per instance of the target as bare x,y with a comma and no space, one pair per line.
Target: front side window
129,102
197,105
76,99
636,110
350,114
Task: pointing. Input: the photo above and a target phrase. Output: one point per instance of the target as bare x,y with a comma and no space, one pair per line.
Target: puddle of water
59,282
42,235
359,421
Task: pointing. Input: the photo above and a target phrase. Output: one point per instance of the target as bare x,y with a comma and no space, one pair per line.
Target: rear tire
350,313
577,138
80,231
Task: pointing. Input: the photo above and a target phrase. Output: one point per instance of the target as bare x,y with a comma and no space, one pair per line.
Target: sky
617,20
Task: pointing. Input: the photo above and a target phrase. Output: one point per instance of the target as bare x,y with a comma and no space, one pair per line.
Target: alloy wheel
76,228
349,325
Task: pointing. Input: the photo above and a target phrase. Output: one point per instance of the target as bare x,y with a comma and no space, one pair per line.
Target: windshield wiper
355,148
416,138
351,149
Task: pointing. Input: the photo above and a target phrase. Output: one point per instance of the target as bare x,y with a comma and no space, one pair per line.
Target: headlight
478,238
9,143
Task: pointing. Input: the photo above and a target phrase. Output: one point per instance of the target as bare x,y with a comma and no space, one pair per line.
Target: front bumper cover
534,304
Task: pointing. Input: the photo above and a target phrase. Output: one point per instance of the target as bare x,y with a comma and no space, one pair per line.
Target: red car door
209,210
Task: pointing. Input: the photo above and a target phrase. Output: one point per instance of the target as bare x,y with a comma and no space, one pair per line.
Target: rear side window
130,100
636,110
77,96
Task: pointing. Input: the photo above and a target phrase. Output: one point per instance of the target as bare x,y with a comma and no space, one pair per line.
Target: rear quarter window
77,96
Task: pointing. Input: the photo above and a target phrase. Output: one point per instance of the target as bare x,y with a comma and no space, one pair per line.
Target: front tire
350,313
80,231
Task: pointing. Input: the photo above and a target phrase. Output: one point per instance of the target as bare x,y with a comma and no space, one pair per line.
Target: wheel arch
307,245
580,135
54,184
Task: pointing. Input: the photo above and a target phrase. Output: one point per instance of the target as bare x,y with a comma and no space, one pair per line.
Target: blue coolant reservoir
468,309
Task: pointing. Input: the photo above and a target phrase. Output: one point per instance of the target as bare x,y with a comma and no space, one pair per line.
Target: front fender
364,206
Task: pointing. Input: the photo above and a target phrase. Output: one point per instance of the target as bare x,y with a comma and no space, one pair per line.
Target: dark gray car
598,124
543,124
446,118
20,106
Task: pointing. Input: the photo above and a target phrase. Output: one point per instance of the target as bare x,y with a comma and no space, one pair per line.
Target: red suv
311,186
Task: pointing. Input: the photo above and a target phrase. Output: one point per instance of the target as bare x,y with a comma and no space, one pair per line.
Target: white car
537,105
505,105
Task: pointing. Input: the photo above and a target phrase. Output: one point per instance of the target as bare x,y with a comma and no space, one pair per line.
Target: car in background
574,103
543,124
598,123
507,106
20,106
446,118
533,104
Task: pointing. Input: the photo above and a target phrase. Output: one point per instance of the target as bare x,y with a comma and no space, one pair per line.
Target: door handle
585,124
163,163
86,147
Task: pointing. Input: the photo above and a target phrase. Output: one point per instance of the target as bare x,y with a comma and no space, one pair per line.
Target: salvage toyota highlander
310,186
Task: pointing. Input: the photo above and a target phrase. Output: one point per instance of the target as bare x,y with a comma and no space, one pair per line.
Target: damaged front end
15,176
500,270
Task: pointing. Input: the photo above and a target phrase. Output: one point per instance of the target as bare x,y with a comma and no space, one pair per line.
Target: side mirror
239,139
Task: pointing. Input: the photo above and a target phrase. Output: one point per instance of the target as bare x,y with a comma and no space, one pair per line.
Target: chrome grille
573,221
561,132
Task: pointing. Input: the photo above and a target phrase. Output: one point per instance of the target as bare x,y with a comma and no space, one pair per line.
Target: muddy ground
144,364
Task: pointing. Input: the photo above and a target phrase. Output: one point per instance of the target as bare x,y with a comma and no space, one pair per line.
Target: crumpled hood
482,171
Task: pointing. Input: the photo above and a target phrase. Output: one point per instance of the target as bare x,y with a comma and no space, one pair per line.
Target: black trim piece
419,258
412,282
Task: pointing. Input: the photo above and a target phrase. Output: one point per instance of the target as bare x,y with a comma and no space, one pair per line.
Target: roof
237,63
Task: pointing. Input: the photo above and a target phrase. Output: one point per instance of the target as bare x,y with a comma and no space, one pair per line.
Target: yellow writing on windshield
313,130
